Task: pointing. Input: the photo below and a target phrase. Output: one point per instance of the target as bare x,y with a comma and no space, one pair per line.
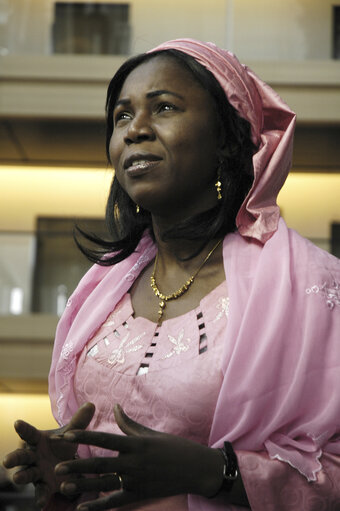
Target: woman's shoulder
285,253
304,251
99,272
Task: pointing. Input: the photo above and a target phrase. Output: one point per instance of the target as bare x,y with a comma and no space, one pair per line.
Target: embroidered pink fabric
127,355
272,124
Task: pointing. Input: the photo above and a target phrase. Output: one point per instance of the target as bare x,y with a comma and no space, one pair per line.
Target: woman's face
165,140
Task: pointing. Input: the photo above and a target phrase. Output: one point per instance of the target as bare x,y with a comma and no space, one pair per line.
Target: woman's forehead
160,72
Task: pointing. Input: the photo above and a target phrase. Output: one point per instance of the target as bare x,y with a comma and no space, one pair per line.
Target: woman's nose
139,129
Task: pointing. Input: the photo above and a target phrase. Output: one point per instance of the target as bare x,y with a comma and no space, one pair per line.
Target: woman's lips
141,167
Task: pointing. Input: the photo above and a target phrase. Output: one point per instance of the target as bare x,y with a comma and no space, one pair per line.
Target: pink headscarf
272,124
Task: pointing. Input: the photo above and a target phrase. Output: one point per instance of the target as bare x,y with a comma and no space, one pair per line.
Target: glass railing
17,255
39,270
67,27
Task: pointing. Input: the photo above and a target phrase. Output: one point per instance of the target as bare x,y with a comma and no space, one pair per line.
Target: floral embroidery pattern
126,346
330,292
223,306
145,258
178,344
93,351
66,350
109,322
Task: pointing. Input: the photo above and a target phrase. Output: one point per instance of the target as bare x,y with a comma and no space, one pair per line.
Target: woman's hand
42,452
150,465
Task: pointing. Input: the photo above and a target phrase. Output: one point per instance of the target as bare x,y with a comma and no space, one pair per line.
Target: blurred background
56,59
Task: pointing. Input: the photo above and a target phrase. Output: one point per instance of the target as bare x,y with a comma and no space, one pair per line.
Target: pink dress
126,357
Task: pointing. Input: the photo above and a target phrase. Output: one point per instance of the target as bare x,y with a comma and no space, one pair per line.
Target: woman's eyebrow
151,94
122,102
155,93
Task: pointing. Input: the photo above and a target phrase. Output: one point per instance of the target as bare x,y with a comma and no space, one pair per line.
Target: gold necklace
177,294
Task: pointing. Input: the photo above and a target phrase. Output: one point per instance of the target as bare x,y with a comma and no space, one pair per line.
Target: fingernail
69,436
70,487
62,470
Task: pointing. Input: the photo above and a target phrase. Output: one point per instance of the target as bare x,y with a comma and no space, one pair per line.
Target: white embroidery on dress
331,293
109,322
67,371
66,350
125,346
179,345
93,351
223,306
142,261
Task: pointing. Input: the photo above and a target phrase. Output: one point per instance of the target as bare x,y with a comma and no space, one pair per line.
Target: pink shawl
272,124
281,358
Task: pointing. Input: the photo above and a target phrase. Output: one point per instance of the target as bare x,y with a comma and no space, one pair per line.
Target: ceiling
82,143
52,142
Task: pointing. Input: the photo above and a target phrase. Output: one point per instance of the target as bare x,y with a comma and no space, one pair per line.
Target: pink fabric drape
281,358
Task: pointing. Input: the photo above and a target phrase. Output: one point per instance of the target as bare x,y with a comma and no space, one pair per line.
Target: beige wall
309,201
258,30
285,30
155,21
30,192
32,408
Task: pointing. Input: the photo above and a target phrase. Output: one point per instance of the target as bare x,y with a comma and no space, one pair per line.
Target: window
91,28
59,264
336,239
336,31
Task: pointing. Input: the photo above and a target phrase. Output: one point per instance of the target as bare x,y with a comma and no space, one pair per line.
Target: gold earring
137,209
218,186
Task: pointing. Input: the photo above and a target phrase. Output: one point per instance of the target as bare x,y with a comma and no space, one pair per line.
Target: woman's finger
107,440
109,482
27,432
19,457
129,426
27,475
89,466
41,494
82,418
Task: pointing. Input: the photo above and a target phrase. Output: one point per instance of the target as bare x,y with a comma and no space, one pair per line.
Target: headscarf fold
272,128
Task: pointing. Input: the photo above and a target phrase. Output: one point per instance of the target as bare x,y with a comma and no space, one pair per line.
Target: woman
211,323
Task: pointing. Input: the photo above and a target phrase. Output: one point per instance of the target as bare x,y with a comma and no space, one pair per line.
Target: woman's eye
122,116
166,107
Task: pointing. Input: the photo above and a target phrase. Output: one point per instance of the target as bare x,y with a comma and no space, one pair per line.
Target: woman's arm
149,465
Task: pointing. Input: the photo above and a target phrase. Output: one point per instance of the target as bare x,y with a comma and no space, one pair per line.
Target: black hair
125,226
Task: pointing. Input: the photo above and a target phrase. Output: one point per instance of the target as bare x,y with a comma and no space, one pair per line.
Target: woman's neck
175,252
